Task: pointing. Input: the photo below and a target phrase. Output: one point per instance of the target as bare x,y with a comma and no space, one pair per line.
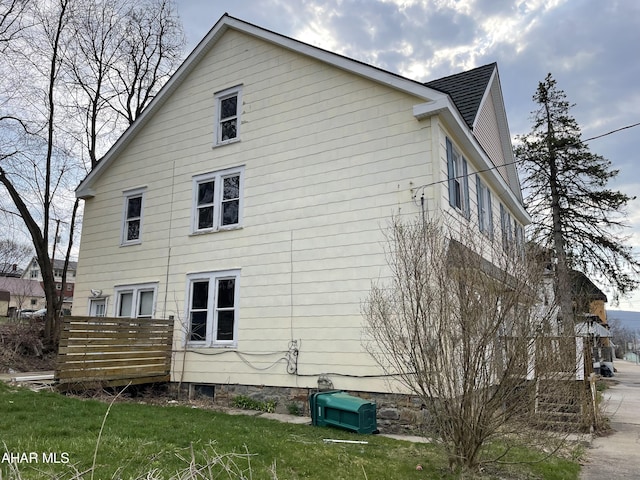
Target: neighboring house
591,318
10,270
33,272
249,200
24,294
5,299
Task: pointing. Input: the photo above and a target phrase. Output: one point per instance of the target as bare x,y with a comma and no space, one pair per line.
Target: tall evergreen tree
575,214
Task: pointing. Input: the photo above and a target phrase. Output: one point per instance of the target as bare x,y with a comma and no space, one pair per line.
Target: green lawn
138,438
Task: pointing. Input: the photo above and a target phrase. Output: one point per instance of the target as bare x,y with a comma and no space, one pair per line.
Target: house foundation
396,413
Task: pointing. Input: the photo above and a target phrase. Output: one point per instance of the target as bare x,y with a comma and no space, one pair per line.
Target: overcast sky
590,46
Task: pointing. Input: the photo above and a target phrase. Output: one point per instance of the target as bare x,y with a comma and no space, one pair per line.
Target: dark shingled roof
466,89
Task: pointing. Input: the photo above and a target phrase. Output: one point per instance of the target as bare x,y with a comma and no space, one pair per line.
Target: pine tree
575,215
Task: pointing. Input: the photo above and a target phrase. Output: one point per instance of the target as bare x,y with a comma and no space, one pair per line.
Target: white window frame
96,302
129,195
485,214
218,200
212,309
219,97
507,227
458,180
135,290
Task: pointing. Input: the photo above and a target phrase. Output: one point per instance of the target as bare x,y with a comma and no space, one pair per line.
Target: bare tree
12,254
457,323
64,107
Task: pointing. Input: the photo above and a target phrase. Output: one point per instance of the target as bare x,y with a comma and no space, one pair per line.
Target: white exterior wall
328,156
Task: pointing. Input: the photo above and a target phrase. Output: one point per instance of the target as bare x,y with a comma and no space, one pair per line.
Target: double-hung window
519,234
506,225
485,217
136,301
132,217
213,308
217,200
457,172
228,107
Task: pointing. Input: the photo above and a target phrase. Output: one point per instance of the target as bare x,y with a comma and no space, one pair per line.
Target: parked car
39,314
25,313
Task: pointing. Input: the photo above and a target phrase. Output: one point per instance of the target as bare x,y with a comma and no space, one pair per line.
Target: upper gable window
132,217
228,105
217,200
457,173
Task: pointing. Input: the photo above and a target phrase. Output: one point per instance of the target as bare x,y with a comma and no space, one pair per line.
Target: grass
138,439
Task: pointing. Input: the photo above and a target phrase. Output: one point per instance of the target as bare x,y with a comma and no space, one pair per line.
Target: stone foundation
395,413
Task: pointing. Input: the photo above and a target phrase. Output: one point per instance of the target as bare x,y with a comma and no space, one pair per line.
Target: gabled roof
466,89
582,286
434,101
21,287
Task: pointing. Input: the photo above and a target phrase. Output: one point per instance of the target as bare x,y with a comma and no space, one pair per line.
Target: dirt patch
22,350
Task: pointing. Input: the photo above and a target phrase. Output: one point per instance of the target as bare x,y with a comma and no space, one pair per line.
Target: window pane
231,188
205,193
134,206
205,217
200,295
145,308
126,299
198,326
225,293
133,229
230,212
225,325
228,130
228,107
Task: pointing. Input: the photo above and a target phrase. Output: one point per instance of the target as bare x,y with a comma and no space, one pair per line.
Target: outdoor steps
558,405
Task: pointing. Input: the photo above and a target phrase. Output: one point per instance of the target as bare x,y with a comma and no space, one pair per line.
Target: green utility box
336,408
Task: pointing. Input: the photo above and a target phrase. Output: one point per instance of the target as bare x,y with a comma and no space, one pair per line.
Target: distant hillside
631,320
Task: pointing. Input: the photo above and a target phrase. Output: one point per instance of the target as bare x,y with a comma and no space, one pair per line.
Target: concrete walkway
617,456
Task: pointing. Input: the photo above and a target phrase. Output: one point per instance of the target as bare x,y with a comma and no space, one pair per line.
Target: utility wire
519,161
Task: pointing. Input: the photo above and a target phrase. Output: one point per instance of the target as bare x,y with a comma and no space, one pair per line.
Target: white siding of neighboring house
329,157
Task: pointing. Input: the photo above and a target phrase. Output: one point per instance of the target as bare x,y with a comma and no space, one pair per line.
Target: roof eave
85,189
452,117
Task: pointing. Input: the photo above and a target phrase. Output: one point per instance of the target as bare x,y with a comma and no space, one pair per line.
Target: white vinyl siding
328,158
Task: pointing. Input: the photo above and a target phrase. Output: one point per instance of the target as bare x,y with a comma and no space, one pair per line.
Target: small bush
248,403
294,409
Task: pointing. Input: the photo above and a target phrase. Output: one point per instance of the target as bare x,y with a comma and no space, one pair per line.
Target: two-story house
248,202
32,272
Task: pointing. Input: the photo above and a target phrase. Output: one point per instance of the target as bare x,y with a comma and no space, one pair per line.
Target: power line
518,161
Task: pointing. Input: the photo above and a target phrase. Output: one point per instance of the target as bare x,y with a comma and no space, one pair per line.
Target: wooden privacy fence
113,351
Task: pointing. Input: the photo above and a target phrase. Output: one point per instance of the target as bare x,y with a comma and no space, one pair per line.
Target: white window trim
485,213
507,228
93,300
135,289
212,320
218,97
457,172
217,177
128,194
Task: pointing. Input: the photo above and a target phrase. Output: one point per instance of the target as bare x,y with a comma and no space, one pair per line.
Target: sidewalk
616,456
